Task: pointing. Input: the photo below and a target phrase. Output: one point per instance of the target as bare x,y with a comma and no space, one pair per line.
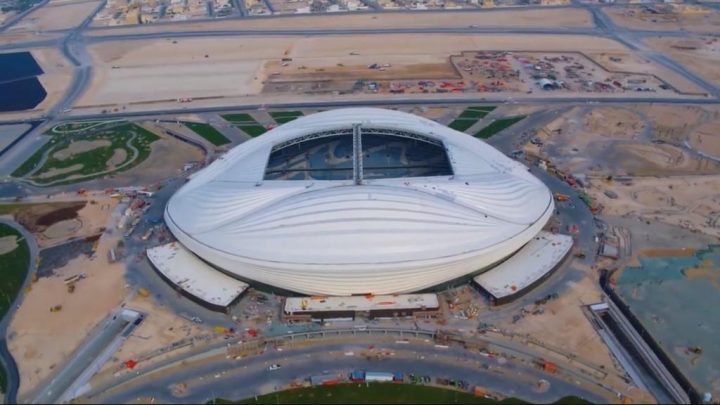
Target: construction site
638,171
610,106
673,16
468,72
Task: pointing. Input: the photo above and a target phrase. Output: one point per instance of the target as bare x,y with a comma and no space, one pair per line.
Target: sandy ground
159,330
571,138
158,72
675,117
63,229
577,334
57,16
57,76
690,202
630,62
701,54
8,244
704,138
92,219
119,156
39,339
505,18
623,141
692,18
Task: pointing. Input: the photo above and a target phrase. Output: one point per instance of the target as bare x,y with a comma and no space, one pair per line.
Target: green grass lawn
497,126
246,123
469,117
253,130
7,209
461,124
79,126
207,132
476,112
93,161
13,269
282,117
239,118
383,393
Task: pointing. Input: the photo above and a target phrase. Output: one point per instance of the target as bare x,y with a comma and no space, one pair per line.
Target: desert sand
704,139
631,62
648,140
690,202
224,70
57,76
700,54
159,330
577,335
687,17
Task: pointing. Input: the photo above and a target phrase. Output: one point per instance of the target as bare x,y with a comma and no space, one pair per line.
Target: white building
357,201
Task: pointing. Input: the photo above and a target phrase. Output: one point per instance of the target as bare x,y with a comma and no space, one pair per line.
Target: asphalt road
250,376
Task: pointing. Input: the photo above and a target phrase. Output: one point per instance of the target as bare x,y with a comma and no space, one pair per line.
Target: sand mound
37,217
8,244
63,229
118,157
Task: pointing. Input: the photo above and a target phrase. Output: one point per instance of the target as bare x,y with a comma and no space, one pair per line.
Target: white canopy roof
287,229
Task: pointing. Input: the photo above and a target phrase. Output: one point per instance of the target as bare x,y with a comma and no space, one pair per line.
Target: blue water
18,65
20,88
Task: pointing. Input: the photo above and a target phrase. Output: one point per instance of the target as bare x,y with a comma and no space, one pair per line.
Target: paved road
13,377
250,376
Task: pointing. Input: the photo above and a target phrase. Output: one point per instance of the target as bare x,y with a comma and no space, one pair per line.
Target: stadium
358,201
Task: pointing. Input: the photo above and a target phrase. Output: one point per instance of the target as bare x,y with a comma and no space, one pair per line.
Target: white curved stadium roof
364,230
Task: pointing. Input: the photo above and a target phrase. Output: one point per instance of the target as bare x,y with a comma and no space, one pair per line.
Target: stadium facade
358,201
